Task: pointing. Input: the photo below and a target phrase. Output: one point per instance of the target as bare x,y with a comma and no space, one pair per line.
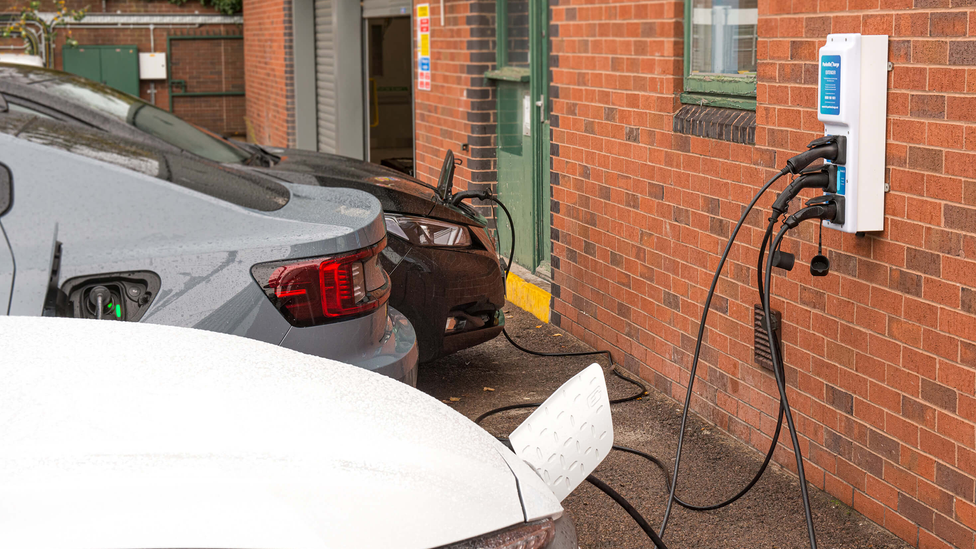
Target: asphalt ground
714,465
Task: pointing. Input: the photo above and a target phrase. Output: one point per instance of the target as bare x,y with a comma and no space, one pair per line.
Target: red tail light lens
315,291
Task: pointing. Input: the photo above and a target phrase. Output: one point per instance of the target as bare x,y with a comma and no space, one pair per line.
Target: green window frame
715,90
504,71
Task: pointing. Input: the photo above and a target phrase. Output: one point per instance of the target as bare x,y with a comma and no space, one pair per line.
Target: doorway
389,125
522,80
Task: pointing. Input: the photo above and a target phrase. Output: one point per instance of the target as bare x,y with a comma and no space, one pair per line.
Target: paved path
714,467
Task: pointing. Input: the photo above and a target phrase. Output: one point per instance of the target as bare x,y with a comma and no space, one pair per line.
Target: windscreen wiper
262,155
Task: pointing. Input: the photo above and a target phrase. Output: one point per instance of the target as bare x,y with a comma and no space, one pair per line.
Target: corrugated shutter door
325,75
386,8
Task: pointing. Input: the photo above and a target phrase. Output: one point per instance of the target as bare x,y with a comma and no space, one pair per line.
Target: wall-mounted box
853,102
152,66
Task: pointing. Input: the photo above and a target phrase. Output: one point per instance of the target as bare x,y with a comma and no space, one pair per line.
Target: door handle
541,103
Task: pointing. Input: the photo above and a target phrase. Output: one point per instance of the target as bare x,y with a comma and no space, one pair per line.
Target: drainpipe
152,48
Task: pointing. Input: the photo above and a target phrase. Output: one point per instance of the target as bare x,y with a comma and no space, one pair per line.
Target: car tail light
308,292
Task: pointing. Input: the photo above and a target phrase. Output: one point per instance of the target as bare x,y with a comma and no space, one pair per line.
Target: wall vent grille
762,354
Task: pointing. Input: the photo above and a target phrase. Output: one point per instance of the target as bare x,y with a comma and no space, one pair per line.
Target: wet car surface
451,293
101,227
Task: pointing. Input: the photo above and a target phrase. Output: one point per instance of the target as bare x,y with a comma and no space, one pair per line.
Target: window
14,107
720,53
145,117
243,188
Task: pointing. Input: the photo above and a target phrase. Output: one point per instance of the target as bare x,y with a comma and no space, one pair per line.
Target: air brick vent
762,354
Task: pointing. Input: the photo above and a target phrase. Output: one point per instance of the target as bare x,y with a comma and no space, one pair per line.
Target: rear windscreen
237,187
145,117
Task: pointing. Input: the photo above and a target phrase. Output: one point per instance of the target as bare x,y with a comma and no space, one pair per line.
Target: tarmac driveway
714,466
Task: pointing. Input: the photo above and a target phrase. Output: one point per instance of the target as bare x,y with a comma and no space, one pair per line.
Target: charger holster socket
828,147
840,140
837,200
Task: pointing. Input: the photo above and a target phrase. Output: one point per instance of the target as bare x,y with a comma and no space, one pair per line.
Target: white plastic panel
852,101
570,434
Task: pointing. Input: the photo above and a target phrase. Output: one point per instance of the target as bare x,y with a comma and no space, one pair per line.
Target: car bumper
565,534
382,343
454,298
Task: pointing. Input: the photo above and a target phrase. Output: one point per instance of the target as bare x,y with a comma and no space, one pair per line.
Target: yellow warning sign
423,10
425,44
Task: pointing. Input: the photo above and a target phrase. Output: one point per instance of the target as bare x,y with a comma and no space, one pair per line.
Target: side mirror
446,180
6,189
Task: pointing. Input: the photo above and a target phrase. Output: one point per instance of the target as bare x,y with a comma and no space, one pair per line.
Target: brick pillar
459,110
269,72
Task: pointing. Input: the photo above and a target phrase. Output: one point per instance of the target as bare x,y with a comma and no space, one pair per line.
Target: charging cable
825,211
829,147
615,368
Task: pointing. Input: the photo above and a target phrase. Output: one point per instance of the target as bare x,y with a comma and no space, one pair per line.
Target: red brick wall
211,65
269,71
880,354
460,107
197,62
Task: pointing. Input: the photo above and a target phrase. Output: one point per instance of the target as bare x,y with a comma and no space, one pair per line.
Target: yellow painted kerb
528,296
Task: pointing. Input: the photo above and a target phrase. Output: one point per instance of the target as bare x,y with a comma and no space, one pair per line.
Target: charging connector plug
465,195
819,179
829,147
823,207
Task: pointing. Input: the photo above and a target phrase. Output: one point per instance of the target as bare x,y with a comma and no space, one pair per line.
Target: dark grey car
97,226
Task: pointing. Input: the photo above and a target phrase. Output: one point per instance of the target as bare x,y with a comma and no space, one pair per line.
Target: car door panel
6,271
6,256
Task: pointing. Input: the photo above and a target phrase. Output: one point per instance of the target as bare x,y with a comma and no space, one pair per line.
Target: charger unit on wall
852,101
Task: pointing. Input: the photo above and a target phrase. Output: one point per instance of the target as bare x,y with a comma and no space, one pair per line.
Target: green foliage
29,14
229,7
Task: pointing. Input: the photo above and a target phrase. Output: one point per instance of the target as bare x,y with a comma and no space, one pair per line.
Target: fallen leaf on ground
455,399
539,326
489,389
557,335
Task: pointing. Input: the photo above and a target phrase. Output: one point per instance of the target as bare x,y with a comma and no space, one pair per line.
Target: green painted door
522,80
116,66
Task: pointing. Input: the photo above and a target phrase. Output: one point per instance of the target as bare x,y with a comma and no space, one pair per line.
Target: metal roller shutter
325,75
386,8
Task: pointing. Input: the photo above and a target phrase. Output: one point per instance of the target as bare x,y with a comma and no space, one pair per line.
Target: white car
22,59
127,435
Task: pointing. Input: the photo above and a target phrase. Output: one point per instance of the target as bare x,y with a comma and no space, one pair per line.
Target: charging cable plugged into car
850,178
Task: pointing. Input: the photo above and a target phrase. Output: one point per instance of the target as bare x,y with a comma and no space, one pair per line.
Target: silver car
99,227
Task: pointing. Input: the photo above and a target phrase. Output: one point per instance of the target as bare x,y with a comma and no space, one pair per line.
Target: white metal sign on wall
423,39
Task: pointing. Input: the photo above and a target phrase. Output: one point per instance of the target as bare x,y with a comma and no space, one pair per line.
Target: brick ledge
716,123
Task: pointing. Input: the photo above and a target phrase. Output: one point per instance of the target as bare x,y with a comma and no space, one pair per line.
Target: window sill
735,125
509,74
720,101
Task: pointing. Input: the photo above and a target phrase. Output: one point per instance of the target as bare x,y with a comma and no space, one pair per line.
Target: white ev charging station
852,101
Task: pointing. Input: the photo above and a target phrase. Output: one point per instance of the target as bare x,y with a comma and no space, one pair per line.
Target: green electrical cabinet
115,66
